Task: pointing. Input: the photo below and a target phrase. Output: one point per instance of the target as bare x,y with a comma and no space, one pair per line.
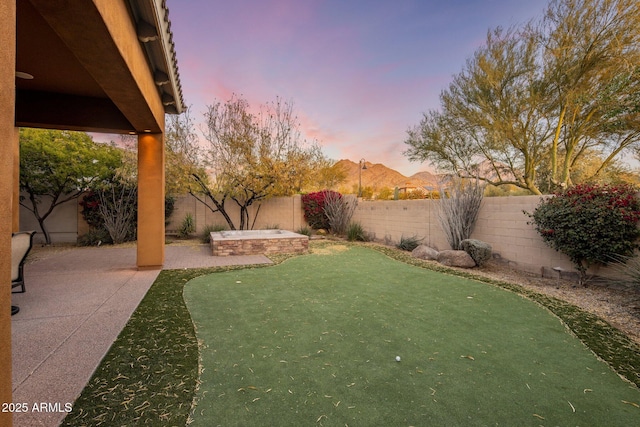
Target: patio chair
21,244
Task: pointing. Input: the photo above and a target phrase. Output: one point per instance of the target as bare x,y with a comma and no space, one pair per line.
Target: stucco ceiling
79,81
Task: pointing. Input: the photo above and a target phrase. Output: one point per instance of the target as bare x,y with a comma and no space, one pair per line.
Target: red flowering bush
590,223
313,205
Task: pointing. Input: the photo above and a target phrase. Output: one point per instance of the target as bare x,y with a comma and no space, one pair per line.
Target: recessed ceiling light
23,75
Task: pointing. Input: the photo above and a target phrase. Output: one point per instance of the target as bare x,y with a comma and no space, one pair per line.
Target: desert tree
253,155
490,123
534,100
58,166
182,153
591,57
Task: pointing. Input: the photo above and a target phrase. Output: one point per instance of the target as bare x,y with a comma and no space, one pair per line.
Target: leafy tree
591,56
535,101
253,156
182,154
58,166
590,223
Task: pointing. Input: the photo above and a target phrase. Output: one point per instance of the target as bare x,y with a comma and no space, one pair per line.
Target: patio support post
7,139
150,201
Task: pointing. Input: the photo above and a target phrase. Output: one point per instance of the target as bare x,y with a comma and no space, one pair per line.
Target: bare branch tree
118,209
339,210
253,156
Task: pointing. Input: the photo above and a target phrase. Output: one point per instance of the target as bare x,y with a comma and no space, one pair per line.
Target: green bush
409,243
188,226
95,237
313,205
590,223
355,232
205,237
304,231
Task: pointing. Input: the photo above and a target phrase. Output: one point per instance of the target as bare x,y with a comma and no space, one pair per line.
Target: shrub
313,205
627,266
188,227
169,207
91,209
590,223
458,210
205,237
339,211
95,237
409,243
306,231
118,209
355,232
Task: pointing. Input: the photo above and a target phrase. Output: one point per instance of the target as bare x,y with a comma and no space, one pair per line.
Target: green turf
313,341
149,375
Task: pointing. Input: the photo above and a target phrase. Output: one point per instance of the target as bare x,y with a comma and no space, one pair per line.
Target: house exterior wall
7,220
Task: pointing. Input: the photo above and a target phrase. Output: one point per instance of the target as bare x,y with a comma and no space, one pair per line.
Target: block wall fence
501,223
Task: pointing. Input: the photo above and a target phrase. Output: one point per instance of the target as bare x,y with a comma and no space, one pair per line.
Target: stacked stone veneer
286,244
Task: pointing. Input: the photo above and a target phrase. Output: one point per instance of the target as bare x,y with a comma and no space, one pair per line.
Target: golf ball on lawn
397,358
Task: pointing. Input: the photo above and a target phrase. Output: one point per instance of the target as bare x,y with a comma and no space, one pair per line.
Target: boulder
424,252
478,250
456,259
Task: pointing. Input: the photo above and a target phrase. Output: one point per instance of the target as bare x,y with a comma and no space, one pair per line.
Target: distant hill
379,176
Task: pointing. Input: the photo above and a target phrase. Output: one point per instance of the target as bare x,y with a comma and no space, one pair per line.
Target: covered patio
98,66
77,302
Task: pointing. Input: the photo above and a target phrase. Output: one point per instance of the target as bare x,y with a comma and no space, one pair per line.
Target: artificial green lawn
313,341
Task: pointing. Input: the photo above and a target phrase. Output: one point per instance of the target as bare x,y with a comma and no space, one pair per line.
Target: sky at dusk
359,72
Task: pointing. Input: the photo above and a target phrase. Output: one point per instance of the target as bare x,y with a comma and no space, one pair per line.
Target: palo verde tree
534,101
58,166
252,156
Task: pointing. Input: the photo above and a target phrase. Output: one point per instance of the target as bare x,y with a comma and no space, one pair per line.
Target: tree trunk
47,237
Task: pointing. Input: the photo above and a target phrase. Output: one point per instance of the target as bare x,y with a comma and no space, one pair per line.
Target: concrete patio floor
76,303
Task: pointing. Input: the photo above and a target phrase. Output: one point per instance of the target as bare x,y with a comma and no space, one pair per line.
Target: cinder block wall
282,212
390,220
62,224
501,223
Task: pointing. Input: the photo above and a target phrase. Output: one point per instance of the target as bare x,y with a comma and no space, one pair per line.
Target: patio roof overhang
101,66
88,62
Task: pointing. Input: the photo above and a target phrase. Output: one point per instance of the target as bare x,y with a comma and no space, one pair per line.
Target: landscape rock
456,259
478,250
424,252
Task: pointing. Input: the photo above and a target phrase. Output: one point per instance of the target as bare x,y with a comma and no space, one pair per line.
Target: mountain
378,176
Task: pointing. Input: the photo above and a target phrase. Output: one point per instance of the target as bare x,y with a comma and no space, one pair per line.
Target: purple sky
359,72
